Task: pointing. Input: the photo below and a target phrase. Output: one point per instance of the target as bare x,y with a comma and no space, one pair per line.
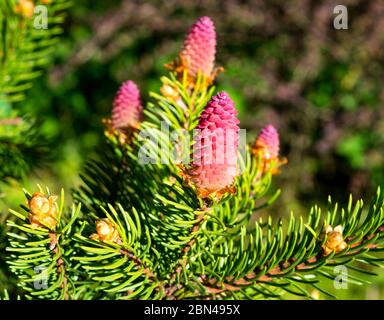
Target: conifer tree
171,209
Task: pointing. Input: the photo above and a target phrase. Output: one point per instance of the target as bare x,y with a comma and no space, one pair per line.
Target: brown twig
139,263
59,264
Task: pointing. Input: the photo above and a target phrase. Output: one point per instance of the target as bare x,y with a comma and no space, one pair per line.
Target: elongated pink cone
268,139
199,48
127,109
213,167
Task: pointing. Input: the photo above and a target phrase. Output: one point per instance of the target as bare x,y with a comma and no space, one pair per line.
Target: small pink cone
269,139
199,48
127,109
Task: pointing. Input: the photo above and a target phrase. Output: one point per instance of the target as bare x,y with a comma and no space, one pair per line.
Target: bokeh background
284,63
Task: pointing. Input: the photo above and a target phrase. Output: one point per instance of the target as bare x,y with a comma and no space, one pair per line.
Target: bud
214,164
127,109
106,231
43,211
335,241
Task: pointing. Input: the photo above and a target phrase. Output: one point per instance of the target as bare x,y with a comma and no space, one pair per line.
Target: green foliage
24,51
22,147
352,148
173,244
226,261
5,296
25,48
228,256
260,61
39,256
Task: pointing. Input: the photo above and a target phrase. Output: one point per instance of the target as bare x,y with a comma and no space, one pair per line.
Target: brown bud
106,231
335,241
43,211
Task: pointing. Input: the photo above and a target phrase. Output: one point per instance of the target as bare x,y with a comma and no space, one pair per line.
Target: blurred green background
284,63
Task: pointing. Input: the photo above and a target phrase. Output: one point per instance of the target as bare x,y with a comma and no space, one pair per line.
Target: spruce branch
159,229
174,209
26,49
40,243
281,269
131,273
183,259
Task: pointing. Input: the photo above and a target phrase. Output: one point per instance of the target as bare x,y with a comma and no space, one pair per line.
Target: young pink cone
213,167
267,145
199,49
268,139
127,109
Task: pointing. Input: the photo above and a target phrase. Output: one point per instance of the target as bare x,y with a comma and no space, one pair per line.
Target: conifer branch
159,229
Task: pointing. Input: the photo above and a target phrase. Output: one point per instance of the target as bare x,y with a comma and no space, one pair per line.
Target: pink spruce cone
199,49
127,109
268,140
267,147
216,139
